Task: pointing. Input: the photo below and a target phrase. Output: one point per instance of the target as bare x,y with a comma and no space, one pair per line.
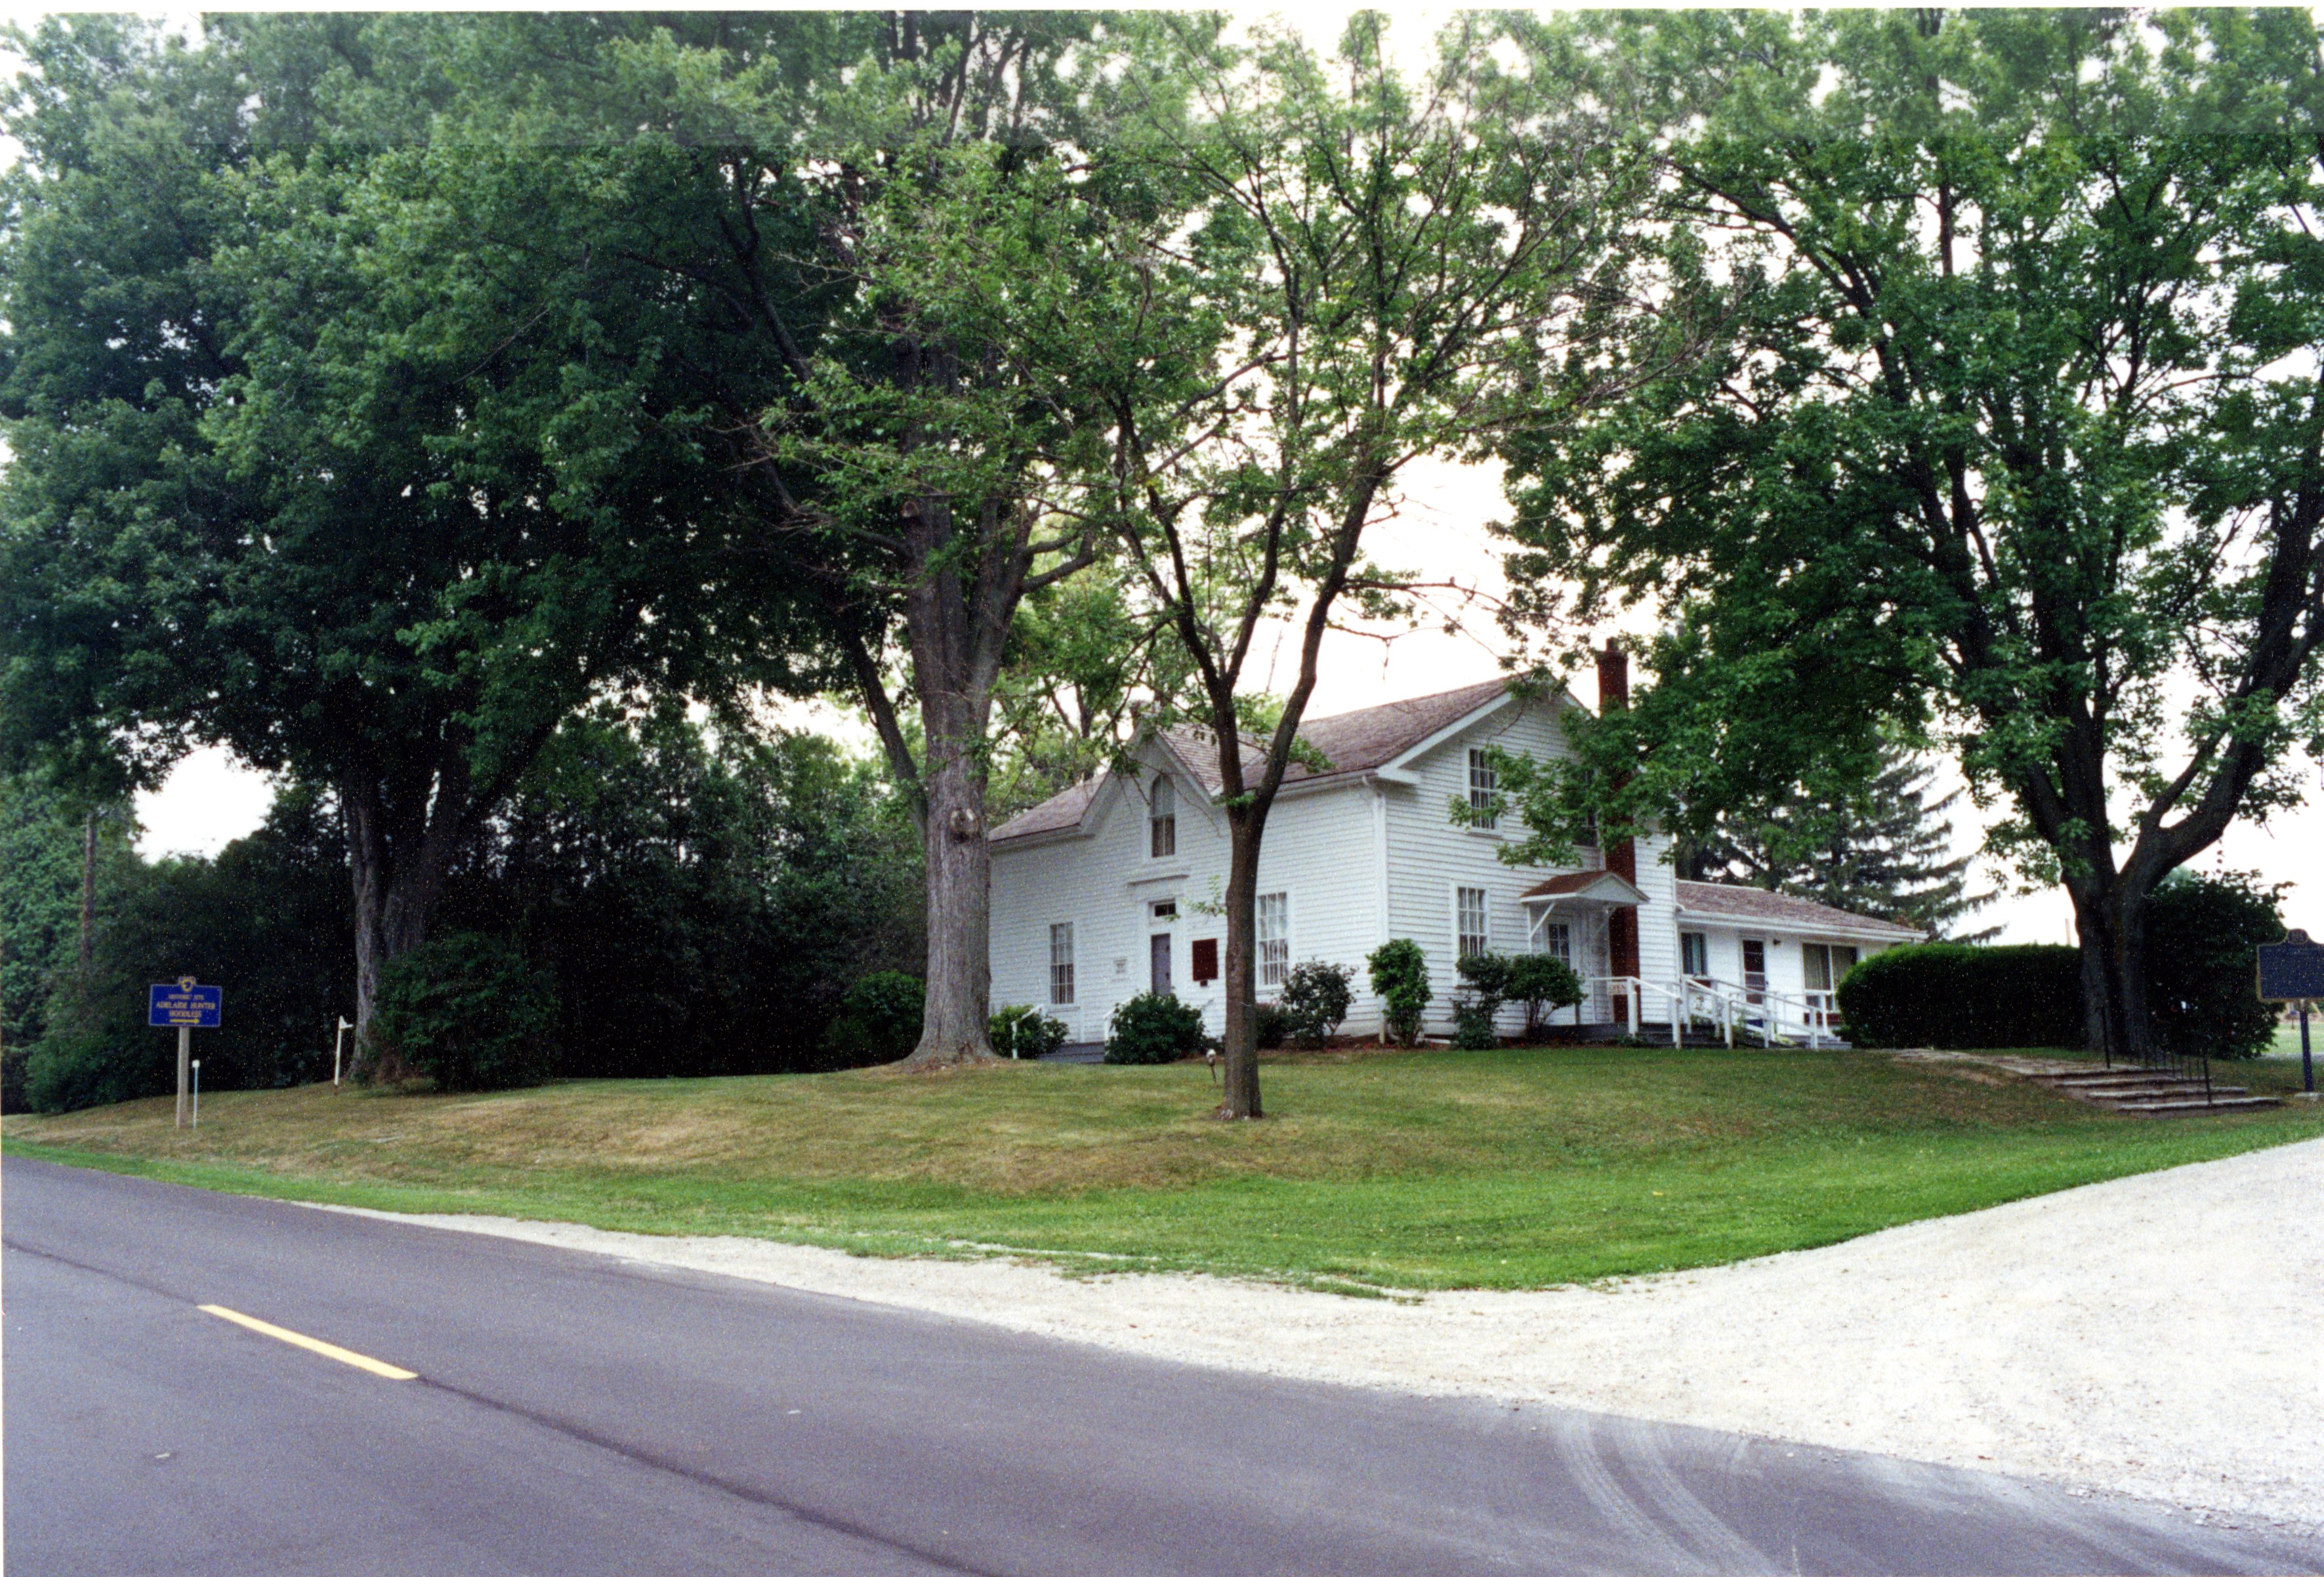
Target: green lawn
1435,1169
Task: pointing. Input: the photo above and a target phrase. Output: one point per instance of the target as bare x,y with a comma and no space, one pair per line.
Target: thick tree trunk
956,1025
396,881
1241,966
956,630
2110,918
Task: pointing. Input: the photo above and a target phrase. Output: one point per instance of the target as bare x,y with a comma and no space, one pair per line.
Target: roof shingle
1731,900
1351,742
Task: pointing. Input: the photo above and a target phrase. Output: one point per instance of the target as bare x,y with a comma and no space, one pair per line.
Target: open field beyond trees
1514,1168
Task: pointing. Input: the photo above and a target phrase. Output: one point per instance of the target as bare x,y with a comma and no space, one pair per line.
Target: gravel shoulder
2153,1336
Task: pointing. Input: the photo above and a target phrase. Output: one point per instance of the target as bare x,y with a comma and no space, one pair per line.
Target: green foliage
267,920
1952,994
1025,1033
2201,933
878,1020
1544,983
701,901
1484,987
467,1011
1271,1026
42,850
1315,997
1398,973
1884,458
72,1068
1877,847
1154,1027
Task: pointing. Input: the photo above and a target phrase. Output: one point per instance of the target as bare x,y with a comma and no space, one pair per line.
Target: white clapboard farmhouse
1112,887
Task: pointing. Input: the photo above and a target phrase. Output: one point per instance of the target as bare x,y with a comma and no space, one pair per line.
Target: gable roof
1606,886
1352,743
1727,900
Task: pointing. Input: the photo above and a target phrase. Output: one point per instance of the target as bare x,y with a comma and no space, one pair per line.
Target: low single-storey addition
1112,887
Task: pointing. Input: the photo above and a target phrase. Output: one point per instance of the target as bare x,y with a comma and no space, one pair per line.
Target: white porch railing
1812,1017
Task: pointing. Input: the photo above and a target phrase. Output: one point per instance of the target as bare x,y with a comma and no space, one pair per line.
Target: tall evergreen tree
1879,847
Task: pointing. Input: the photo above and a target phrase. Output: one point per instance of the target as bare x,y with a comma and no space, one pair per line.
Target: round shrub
1026,1032
1472,1026
1544,983
1153,1026
67,1069
1399,979
1959,995
1315,998
468,1011
878,1020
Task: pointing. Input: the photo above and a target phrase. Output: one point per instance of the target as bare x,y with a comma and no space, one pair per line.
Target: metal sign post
184,1007
2292,970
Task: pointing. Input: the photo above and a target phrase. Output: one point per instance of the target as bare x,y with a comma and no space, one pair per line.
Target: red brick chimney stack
1621,853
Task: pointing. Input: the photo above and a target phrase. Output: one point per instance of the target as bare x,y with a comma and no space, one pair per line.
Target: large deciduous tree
2013,434
309,466
1397,257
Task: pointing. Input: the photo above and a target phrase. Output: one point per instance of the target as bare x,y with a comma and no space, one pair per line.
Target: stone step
2196,1106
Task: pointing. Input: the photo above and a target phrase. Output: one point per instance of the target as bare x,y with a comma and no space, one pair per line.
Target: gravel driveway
2155,1336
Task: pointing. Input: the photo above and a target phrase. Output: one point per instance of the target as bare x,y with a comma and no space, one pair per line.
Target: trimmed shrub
1544,983
1271,1026
878,1020
1316,997
468,1011
1026,1032
1484,987
1954,994
1399,978
2200,933
1472,1026
1153,1026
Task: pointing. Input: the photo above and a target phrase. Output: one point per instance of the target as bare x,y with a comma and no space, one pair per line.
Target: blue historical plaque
184,1005
2291,970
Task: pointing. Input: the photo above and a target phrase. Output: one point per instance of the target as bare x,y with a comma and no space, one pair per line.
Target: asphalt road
572,1414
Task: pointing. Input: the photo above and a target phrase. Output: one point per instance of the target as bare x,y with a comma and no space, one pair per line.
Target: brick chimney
1621,853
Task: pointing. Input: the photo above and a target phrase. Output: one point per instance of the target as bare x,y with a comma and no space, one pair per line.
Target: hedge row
1951,994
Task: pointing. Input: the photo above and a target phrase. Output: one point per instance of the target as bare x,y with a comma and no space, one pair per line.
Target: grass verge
1516,1169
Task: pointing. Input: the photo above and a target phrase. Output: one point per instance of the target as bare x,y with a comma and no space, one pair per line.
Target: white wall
1318,851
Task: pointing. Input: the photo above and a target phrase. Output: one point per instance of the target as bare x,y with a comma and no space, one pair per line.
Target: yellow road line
368,1365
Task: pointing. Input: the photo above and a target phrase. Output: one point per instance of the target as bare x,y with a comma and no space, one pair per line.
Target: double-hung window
1693,954
1557,941
1274,937
1061,964
1469,921
1484,789
1162,819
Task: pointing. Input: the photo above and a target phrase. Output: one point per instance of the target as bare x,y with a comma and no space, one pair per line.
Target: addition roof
1350,742
1607,886
1731,901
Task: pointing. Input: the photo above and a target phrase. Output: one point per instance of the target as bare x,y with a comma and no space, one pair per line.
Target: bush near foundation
1153,1026
1026,1032
1952,994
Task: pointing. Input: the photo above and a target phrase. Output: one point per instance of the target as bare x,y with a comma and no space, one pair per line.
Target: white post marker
198,1092
339,1038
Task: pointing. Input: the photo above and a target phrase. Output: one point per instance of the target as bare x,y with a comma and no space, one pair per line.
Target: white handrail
1773,1012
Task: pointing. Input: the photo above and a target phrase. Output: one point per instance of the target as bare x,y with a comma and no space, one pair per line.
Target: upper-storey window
1162,819
1484,787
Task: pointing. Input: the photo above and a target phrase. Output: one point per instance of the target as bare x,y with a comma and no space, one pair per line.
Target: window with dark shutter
1205,963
